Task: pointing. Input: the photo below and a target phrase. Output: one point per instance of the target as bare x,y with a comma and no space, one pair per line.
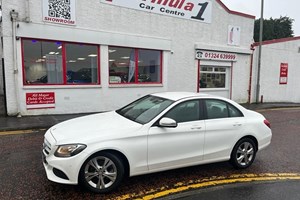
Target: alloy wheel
245,153
100,172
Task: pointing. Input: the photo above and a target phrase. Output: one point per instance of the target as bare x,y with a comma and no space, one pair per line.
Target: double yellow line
18,132
207,182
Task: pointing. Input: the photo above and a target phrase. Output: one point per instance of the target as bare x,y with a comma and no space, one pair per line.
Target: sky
272,8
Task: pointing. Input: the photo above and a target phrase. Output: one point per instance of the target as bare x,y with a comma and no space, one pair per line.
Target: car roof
175,96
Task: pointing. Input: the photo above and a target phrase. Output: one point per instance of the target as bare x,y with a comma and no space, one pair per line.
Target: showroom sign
214,55
200,10
60,12
40,100
283,73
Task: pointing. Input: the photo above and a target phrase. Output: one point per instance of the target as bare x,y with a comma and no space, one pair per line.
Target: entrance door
215,78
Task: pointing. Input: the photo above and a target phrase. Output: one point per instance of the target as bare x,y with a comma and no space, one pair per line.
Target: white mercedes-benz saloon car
157,132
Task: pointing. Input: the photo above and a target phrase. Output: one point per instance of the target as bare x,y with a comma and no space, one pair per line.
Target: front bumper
60,170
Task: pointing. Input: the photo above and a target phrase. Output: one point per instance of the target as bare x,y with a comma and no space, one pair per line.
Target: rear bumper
265,142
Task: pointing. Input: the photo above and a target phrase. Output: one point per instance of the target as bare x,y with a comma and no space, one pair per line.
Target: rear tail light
267,123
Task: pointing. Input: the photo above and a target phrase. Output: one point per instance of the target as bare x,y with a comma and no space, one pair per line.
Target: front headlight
69,150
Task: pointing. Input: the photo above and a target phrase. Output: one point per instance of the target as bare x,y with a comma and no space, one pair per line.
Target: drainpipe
259,51
14,17
27,12
250,77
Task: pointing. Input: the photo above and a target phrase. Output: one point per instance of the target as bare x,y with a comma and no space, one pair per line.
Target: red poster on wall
283,73
40,100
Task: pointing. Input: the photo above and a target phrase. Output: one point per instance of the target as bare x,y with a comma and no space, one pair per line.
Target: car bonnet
108,125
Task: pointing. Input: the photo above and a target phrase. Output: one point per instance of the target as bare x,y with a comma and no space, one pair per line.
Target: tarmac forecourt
191,184
202,183
209,182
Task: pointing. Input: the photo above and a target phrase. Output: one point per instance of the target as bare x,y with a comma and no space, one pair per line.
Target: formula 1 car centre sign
200,10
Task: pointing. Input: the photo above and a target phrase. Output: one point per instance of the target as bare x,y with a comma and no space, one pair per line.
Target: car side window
216,109
234,112
185,112
220,109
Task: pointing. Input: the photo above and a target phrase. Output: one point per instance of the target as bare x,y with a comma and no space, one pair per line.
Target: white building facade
79,56
279,72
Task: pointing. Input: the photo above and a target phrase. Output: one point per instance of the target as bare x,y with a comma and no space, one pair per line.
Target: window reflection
44,62
129,65
212,77
121,65
81,61
149,66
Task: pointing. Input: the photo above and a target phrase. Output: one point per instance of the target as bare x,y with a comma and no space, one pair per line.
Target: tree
274,28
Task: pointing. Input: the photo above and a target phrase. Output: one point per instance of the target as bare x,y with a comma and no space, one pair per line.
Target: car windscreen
145,109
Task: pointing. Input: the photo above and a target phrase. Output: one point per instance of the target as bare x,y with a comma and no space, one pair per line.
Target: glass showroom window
213,77
82,63
42,62
58,63
130,65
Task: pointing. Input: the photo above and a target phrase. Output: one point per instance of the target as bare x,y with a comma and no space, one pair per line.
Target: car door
224,124
179,146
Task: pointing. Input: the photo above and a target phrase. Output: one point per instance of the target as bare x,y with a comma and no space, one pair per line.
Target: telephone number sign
213,55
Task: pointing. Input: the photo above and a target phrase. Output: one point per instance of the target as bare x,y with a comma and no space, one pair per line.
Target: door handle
196,128
237,124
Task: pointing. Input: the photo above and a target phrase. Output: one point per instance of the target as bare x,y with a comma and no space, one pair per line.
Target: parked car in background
160,131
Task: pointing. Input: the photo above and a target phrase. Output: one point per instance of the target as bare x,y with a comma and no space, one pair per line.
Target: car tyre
102,172
243,153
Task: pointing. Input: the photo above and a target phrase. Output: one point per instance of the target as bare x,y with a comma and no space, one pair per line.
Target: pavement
46,121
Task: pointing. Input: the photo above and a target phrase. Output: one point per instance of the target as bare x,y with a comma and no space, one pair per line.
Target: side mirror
167,123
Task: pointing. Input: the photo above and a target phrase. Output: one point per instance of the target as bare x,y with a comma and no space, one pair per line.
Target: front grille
46,147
